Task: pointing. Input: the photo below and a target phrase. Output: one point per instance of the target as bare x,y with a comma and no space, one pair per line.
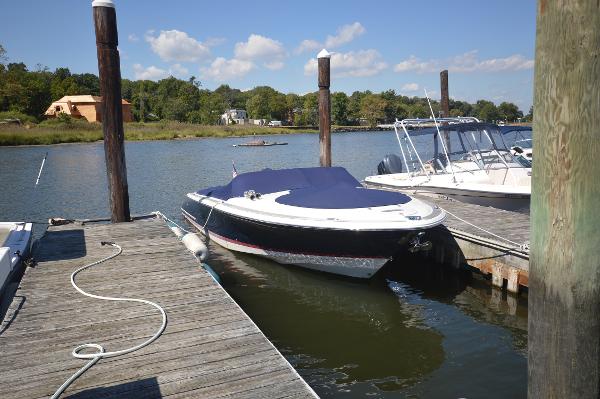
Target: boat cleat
415,245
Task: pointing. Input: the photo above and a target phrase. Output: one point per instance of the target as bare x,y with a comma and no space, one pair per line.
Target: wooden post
324,108
445,103
445,100
564,277
105,21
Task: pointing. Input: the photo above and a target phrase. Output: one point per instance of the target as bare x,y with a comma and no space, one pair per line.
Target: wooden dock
503,254
210,348
460,243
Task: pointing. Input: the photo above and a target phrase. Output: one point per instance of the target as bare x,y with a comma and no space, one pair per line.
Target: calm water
415,330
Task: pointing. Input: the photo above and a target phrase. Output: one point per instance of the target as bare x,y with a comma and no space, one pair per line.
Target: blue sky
488,46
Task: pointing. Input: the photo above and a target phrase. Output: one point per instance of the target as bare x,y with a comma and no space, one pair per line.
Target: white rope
522,247
163,216
100,353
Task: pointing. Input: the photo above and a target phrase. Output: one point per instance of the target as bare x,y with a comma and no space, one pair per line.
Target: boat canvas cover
324,188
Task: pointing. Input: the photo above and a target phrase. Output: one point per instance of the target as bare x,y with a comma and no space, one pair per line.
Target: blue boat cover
325,188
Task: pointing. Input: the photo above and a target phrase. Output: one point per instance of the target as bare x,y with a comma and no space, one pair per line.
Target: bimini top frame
465,128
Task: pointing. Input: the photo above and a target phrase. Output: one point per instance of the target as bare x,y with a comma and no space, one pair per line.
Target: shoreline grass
84,132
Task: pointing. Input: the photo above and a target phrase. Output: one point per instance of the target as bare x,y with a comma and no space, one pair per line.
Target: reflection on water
414,330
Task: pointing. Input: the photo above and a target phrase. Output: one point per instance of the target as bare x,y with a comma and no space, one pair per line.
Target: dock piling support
564,276
445,102
109,71
324,59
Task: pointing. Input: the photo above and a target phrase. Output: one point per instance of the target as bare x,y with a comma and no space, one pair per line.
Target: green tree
309,115
354,107
339,108
509,112
372,108
3,57
486,111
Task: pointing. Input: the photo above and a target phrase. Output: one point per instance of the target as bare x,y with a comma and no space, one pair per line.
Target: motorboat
15,240
259,143
519,140
460,158
318,218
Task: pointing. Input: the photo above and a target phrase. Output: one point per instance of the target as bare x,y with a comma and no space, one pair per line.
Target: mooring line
100,353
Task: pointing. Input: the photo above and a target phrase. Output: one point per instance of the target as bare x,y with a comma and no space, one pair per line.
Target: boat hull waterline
357,254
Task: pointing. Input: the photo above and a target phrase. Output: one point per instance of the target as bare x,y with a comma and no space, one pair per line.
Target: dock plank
209,349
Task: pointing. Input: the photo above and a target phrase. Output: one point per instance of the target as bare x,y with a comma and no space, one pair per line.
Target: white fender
195,245
178,231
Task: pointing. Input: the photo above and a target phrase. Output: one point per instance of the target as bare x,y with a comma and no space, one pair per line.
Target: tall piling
105,22
564,276
324,59
445,103
445,99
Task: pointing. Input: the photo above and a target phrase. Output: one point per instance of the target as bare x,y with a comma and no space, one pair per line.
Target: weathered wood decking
459,242
210,348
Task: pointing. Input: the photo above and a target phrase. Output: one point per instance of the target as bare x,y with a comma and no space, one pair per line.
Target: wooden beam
324,108
564,278
105,22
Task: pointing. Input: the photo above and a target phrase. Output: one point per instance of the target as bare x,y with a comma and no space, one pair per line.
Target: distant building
85,106
238,116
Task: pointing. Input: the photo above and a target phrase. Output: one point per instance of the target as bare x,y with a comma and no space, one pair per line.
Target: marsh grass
78,131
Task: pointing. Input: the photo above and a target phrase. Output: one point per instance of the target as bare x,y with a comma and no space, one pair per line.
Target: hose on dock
99,350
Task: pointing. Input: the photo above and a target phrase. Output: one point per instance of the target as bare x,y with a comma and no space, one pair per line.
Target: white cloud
274,65
262,48
133,38
410,87
345,34
214,41
174,45
222,69
150,73
354,64
178,70
467,62
308,45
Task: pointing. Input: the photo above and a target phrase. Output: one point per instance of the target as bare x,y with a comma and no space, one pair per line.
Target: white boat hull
15,240
508,201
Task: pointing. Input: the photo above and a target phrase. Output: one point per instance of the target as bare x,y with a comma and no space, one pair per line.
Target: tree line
29,93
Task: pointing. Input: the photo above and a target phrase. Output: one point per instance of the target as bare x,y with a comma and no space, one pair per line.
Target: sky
377,45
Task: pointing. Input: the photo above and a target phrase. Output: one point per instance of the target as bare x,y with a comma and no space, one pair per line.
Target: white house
238,116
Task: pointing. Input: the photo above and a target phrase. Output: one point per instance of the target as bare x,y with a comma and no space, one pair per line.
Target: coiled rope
100,353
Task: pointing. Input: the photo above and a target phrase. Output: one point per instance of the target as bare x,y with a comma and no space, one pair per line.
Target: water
415,330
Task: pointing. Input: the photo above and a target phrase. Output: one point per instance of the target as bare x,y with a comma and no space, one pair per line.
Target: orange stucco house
85,106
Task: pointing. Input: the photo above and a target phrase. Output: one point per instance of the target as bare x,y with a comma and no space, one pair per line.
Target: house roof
83,99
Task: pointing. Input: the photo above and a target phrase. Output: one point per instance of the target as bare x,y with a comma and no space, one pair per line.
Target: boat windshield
517,135
469,146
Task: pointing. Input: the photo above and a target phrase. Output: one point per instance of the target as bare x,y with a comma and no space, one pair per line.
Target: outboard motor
391,164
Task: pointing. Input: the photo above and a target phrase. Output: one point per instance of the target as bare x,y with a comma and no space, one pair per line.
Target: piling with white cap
109,71
324,59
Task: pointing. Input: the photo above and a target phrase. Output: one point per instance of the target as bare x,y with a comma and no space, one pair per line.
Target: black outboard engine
391,164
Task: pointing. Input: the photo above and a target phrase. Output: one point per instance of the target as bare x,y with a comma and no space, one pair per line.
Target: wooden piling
445,99
105,22
445,103
324,59
564,279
